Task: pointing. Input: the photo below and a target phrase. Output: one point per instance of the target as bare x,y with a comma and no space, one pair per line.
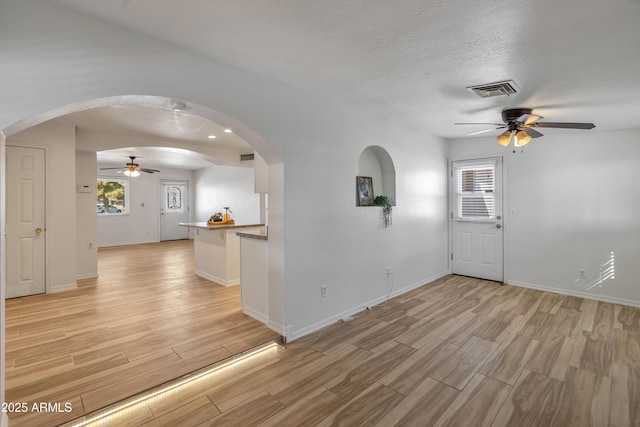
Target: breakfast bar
217,250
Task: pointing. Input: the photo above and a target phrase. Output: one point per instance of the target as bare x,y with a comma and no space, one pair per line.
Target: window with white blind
475,189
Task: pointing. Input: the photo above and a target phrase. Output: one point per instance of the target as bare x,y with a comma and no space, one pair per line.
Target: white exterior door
174,209
476,219
25,226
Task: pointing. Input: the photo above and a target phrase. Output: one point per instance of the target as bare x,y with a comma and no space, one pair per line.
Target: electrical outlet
90,245
323,291
388,271
582,273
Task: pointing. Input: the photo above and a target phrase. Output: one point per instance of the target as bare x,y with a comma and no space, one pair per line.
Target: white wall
141,224
4,420
219,186
317,234
58,140
210,190
346,247
86,219
576,203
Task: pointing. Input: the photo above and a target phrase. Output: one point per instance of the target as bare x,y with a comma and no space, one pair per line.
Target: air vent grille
506,87
245,157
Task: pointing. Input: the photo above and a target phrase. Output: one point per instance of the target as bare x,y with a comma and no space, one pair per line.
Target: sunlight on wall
425,186
607,271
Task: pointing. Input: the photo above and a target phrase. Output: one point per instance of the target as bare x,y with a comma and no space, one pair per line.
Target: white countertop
204,225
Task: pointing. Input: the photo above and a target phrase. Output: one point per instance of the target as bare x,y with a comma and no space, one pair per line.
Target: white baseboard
65,287
573,293
255,315
87,276
277,327
218,280
295,334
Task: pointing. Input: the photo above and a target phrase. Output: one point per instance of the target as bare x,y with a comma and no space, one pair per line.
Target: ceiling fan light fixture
522,138
131,173
504,138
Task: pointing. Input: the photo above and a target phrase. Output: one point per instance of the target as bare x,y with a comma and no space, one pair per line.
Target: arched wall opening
159,102
275,188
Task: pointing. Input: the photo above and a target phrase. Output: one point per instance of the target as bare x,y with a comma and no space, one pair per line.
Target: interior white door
476,219
25,221
174,209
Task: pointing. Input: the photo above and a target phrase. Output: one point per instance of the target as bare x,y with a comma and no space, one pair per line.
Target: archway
275,185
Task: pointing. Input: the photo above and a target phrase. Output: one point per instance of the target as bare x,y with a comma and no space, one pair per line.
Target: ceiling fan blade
480,131
486,124
533,133
104,169
527,119
148,170
566,125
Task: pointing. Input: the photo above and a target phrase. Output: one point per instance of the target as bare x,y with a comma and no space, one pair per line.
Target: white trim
255,315
87,276
500,159
67,287
275,326
218,280
580,294
350,312
4,421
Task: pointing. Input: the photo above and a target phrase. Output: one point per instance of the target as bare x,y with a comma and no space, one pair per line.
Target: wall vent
506,87
245,157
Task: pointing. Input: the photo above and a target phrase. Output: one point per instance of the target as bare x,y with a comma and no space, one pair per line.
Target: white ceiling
572,60
153,123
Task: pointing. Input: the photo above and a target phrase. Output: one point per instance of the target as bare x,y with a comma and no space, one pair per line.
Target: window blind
475,187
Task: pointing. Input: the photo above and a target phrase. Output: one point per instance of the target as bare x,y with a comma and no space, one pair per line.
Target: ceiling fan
132,169
520,123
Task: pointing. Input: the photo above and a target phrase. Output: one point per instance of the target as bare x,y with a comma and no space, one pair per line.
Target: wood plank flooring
455,352
147,319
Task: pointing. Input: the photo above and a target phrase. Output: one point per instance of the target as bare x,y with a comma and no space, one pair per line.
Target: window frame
127,189
486,194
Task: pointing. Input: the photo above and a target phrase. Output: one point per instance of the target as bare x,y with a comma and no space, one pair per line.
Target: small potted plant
386,209
216,217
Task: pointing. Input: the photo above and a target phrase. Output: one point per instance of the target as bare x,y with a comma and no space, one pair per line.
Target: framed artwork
364,191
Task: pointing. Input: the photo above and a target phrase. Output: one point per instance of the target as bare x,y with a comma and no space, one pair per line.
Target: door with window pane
476,219
174,209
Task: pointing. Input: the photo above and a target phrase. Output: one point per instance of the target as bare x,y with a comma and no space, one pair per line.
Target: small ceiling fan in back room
132,169
521,124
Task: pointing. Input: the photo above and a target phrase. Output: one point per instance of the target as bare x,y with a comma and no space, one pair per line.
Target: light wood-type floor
456,352
147,319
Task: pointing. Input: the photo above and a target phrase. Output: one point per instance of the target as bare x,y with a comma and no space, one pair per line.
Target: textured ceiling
572,60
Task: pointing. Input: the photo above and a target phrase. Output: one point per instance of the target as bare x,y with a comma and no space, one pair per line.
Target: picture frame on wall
364,191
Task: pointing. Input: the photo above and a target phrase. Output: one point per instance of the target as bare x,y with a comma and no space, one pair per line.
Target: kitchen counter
260,234
217,250
254,273
206,226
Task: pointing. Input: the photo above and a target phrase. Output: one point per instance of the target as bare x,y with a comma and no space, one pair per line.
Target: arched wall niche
375,161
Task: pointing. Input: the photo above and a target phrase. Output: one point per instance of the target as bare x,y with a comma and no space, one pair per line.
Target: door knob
498,226
39,230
